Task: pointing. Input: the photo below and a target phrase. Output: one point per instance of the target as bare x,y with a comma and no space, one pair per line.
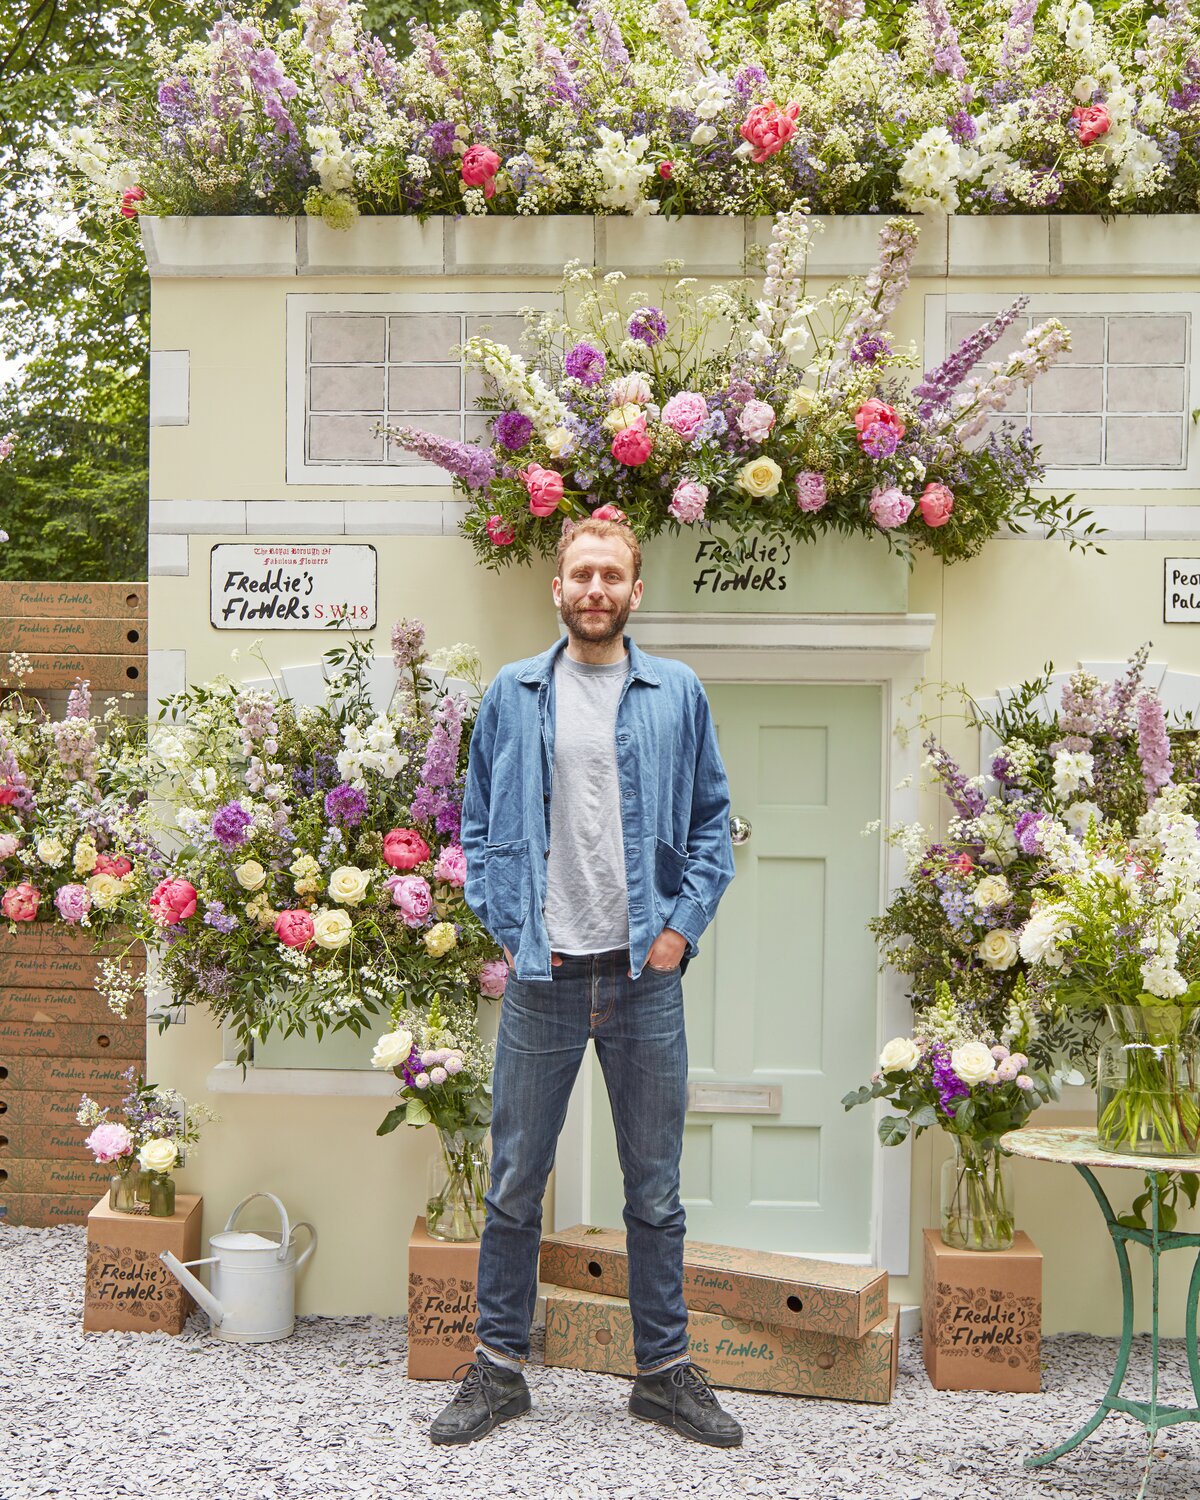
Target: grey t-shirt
586,899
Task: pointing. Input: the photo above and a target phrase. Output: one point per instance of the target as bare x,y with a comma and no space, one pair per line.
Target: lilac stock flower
441,137
1018,35
346,804
949,1085
473,465
938,385
216,916
962,127
1154,746
408,643
749,81
648,326
966,800
879,440
585,364
1028,831
229,825
513,430
869,349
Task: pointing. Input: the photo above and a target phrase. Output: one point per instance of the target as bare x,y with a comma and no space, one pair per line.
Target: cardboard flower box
587,1331
759,1286
126,1285
441,1304
982,1316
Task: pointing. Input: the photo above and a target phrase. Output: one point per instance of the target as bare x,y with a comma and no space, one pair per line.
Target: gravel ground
330,1413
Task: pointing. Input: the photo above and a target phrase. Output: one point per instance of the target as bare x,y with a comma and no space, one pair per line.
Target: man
596,828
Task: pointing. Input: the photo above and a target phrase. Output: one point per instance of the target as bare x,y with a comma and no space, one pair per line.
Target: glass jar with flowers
975,1088
156,1132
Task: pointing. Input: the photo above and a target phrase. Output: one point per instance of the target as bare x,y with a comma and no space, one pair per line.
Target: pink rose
665,169
451,866
936,503
890,507
403,848
684,413
873,411
1093,122
9,844
633,445
172,902
768,128
130,199
688,501
294,929
411,894
609,513
115,865
492,978
810,490
20,902
73,902
110,1141
499,531
8,794
545,488
479,167
755,421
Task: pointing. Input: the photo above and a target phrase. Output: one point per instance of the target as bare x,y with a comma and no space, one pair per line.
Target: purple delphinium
648,326
613,50
439,797
346,804
585,364
475,466
966,800
879,440
962,127
1154,745
216,916
1028,831
229,825
938,385
441,137
869,349
1018,35
512,429
949,1085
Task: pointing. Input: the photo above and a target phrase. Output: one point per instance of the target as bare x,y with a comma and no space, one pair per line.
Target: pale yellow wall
999,618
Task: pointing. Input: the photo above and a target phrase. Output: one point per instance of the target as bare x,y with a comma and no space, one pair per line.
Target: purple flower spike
648,326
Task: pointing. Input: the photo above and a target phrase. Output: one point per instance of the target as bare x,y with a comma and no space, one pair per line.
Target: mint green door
781,1003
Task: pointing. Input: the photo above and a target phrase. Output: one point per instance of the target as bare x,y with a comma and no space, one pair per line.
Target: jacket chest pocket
508,884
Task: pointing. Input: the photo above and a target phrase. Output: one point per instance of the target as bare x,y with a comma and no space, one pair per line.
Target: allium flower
870,349
513,430
585,364
346,804
648,326
229,825
879,440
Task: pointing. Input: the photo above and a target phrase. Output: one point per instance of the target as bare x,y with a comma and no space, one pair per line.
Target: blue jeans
637,1025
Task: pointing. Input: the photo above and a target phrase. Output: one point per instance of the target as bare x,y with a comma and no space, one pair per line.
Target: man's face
596,590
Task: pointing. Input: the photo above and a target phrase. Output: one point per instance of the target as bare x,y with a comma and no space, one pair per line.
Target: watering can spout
193,1284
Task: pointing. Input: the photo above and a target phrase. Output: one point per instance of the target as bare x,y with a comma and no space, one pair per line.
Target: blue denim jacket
674,806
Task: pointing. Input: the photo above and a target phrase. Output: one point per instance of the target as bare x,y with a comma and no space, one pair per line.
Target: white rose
348,885
992,890
158,1156
392,1050
105,890
901,1055
999,949
250,875
560,441
623,416
972,1062
51,851
331,929
703,134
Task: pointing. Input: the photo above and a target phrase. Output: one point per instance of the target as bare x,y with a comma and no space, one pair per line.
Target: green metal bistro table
1080,1149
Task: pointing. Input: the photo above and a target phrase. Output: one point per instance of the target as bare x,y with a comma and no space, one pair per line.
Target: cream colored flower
393,1049
901,1055
331,929
261,912
999,949
760,477
348,885
250,875
440,938
158,1156
305,868
799,404
105,890
51,851
992,890
972,1062
560,441
623,416
85,857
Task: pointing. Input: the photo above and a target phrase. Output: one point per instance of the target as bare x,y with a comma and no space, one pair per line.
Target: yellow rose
51,852
622,416
158,1156
331,929
85,857
440,938
760,477
250,876
560,441
105,890
348,885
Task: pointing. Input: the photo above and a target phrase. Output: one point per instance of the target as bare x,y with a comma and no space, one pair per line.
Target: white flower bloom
972,1062
1079,815
1072,769
999,949
703,135
901,1055
992,890
393,1049
1041,935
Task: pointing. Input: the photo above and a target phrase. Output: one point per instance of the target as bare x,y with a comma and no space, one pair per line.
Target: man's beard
596,630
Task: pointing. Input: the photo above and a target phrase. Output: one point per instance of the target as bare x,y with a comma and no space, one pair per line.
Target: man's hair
572,533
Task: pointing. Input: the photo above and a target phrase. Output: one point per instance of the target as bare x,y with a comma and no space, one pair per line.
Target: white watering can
253,1277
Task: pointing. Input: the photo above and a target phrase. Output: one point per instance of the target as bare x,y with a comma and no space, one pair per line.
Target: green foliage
1169,1186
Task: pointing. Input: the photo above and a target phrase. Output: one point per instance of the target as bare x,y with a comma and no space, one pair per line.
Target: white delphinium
931,171
784,311
520,386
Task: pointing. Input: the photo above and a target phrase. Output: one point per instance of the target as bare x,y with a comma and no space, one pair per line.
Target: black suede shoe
489,1395
680,1397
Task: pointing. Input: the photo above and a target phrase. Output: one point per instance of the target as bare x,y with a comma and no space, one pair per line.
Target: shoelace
478,1378
694,1378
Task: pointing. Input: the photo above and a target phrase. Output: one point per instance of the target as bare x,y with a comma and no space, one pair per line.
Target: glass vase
977,1197
458,1179
123,1190
1148,1081
162,1194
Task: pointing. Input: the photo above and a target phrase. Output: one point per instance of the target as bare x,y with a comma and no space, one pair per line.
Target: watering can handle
312,1241
287,1228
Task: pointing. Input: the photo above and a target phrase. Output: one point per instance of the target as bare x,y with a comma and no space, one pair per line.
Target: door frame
887,651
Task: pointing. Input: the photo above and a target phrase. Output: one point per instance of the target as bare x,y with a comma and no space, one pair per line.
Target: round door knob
740,830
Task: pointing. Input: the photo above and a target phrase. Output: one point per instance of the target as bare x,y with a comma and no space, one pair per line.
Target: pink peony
890,507
492,978
130,199
479,167
688,501
73,902
9,844
810,490
768,128
172,902
664,170
633,445
609,513
451,866
873,411
294,929
20,902
412,895
500,533
109,1142
545,488
115,865
629,390
936,503
1093,122
404,848
684,413
755,421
